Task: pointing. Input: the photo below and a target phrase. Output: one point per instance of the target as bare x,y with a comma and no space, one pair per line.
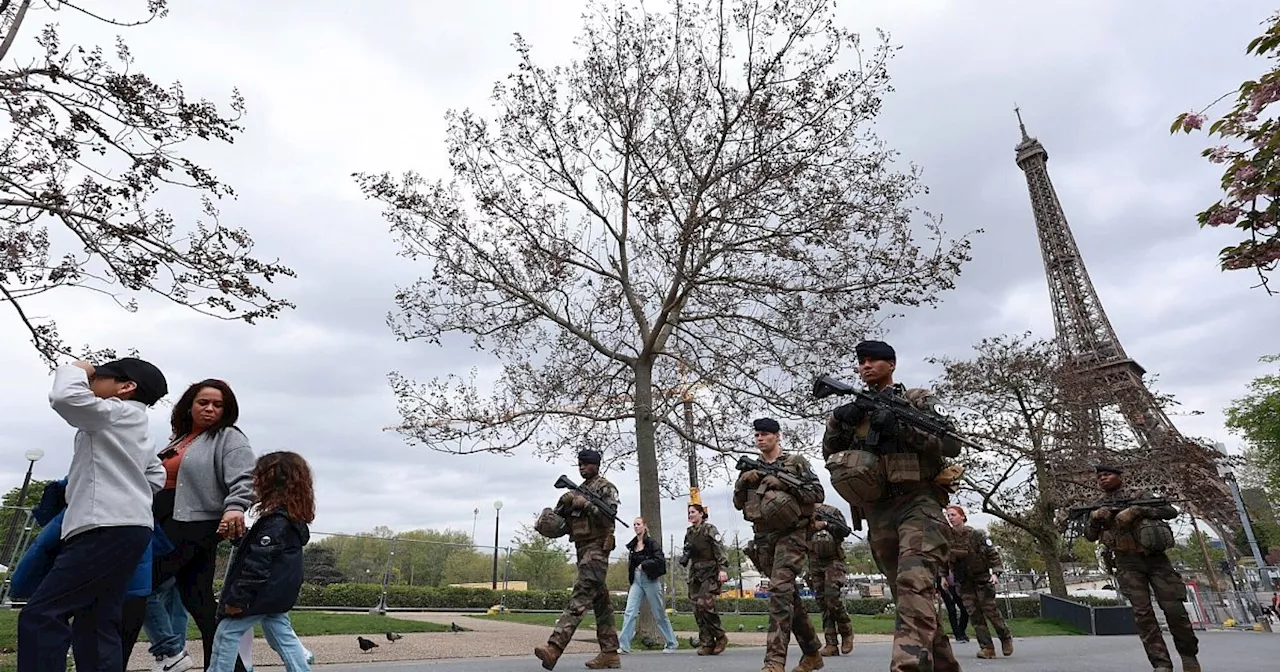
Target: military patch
988,542
265,541
941,409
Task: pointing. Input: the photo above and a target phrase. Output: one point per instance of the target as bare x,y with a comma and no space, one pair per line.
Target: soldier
827,575
976,565
1141,566
591,531
779,513
899,484
708,566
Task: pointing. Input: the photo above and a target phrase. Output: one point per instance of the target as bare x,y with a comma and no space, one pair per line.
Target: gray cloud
332,90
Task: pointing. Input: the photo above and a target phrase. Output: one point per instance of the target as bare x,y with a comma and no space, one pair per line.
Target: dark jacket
650,559
266,573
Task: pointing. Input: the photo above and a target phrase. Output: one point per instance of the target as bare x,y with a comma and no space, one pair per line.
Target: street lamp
497,513
32,456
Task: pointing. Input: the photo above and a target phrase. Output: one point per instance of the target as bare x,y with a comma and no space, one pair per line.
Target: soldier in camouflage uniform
906,529
780,516
975,564
1139,570
705,559
591,531
827,576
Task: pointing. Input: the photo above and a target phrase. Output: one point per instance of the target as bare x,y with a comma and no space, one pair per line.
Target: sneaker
179,662
311,657
623,651
671,650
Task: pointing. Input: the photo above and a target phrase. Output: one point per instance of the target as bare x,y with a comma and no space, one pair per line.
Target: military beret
1107,469
588,456
766,425
875,350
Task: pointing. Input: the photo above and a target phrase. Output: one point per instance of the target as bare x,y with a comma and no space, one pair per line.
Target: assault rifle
835,526
907,414
774,469
563,483
1082,512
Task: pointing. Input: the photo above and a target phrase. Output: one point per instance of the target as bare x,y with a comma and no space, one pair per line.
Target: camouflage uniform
704,552
906,529
780,555
592,532
827,576
1139,573
972,561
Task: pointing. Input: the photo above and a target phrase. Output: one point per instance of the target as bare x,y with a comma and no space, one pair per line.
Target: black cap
766,425
875,350
151,383
588,456
1108,469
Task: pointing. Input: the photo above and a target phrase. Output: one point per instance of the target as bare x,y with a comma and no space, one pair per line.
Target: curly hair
180,420
283,481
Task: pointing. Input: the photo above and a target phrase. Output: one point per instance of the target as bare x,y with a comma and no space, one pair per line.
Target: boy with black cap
108,520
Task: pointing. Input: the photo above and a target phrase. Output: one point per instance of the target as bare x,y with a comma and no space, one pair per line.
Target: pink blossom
1219,154
1246,172
1192,121
1224,215
1263,95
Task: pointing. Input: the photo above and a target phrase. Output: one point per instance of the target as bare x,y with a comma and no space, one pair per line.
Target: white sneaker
180,662
311,657
668,650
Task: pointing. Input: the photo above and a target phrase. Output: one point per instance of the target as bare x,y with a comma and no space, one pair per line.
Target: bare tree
90,142
697,202
1016,399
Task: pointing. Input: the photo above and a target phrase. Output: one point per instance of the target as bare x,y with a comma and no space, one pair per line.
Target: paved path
1219,651
484,638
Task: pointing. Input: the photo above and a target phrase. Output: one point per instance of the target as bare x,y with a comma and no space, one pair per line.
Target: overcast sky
335,87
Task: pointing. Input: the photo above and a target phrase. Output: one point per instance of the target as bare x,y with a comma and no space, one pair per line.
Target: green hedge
365,595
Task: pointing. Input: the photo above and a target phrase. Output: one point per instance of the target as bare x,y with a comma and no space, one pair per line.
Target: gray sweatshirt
215,476
114,468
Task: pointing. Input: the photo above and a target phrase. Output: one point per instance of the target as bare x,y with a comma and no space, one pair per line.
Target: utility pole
1204,550
1253,544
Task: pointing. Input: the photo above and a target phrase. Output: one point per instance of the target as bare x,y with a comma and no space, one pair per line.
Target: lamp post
497,519
32,456
475,518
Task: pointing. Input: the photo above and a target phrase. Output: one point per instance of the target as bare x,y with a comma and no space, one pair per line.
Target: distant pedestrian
645,568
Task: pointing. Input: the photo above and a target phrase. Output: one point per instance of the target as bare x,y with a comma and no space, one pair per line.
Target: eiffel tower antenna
1166,461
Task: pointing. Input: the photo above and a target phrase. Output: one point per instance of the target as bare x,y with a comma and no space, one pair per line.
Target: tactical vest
1148,537
584,528
865,474
701,553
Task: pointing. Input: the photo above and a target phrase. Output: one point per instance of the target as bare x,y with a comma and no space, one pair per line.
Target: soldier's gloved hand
1129,516
1100,516
566,499
749,478
771,482
851,413
579,502
884,421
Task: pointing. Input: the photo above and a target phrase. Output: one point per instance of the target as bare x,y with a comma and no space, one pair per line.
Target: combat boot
1190,664
846,639
833,645
606,660
548,654
721,643
987,652
707,649
1006,646
773,667
810,662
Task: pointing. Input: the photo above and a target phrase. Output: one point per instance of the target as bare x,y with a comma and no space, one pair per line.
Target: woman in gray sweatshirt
208,487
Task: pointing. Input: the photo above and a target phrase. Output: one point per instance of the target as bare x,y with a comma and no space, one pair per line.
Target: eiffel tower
1164,460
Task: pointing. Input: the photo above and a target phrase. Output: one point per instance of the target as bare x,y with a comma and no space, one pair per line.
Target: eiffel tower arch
1160,458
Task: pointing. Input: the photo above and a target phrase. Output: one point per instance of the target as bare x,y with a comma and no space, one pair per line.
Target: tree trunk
650,496
1049,548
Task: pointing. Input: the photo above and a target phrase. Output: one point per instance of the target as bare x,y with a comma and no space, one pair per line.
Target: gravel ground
485,638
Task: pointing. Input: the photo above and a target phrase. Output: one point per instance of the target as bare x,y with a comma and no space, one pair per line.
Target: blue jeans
644,588
278,631
166,621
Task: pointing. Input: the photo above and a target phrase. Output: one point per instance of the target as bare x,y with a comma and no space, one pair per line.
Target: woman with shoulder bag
645,568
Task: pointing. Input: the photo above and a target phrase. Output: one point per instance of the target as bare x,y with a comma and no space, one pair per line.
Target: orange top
174,461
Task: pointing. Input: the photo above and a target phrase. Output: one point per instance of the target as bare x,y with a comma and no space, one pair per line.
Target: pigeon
759,628
392,636
694,643
366,645
741,627
454,627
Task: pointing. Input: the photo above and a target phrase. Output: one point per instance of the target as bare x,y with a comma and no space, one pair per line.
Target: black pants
86,586
193,565
956,613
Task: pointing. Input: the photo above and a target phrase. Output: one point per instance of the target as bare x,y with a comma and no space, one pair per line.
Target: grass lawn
872,625
305,623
